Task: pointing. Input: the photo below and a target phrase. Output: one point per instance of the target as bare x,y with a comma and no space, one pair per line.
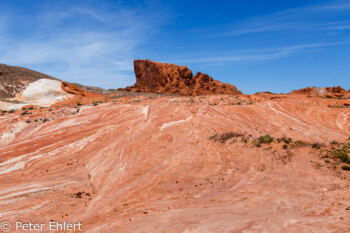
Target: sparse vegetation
80,194
285,140
299,143
338,106
341,153
317,145
225,136
345,167
28,121
266,139
25,113
334,142
244,139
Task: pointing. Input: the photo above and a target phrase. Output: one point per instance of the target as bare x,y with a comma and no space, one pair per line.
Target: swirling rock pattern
147,165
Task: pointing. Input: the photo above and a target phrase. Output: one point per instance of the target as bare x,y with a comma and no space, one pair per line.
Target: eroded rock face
330,92
167,78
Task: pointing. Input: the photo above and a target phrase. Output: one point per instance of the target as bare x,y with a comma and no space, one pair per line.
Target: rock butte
138,162
167,78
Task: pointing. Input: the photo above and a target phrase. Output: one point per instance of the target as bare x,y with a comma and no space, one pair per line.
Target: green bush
265,139
342,153
285,140
345,167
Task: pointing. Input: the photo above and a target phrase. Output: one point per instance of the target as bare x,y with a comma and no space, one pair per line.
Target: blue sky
256,45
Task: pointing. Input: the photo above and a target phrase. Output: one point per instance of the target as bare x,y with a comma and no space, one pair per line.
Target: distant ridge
14,79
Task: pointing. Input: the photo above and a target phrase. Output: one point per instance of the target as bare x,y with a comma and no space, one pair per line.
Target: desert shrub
79,104
225,136
345,167
265,139
334,142
341,153
78,194
300,143
244,139
24,113
316,145
30,108
285,146
12,111
28,121
284,139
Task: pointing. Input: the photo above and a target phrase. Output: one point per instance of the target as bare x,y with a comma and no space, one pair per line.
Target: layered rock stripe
147,165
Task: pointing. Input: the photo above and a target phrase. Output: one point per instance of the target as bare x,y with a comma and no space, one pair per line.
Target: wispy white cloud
255,55
96,50
300,19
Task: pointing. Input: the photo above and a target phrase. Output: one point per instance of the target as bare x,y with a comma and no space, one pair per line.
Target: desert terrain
200,158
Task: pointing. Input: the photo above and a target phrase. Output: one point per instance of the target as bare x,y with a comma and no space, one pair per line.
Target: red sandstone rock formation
167,78
72,89
330,92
